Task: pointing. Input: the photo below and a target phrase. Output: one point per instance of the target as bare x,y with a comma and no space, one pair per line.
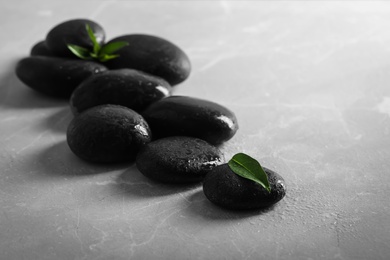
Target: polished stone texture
309,82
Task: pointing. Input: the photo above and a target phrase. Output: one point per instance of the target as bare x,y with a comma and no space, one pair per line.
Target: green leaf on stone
96,45
247,167
80,52
100,53
112,47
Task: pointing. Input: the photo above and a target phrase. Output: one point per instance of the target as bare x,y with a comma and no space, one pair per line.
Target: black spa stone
178,159
56,77
153,55
107,134
228,190
126,87
188,116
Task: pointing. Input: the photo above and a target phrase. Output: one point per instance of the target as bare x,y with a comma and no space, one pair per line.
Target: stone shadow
58,161
59,121
134,184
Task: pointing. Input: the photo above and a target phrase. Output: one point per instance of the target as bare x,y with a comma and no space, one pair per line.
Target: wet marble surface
309,83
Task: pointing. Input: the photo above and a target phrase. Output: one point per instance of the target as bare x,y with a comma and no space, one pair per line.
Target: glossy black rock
57,77
40,49
107,134
178,159
126,87
73,32
188,116
226,189
153,55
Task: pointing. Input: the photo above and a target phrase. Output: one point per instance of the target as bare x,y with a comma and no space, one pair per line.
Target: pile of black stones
124,111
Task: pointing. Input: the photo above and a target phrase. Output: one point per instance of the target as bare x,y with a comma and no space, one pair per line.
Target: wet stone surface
153,55
189,116
56,77
107,134
178,159
126,87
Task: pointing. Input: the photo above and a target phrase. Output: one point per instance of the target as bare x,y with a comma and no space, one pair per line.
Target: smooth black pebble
107,134
178,159
188,116
73,32
152,55
226,189
126,87
56,77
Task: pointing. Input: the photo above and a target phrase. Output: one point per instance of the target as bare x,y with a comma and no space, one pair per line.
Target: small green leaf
112,47
96,45
80,52
247,167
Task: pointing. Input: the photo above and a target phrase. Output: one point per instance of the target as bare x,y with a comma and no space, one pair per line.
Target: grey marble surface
310,85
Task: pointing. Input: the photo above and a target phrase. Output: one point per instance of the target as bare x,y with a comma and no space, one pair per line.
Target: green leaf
247,167
96,45
80,52
112,47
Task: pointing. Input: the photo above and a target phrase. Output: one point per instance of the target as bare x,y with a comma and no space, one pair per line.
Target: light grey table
310,85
